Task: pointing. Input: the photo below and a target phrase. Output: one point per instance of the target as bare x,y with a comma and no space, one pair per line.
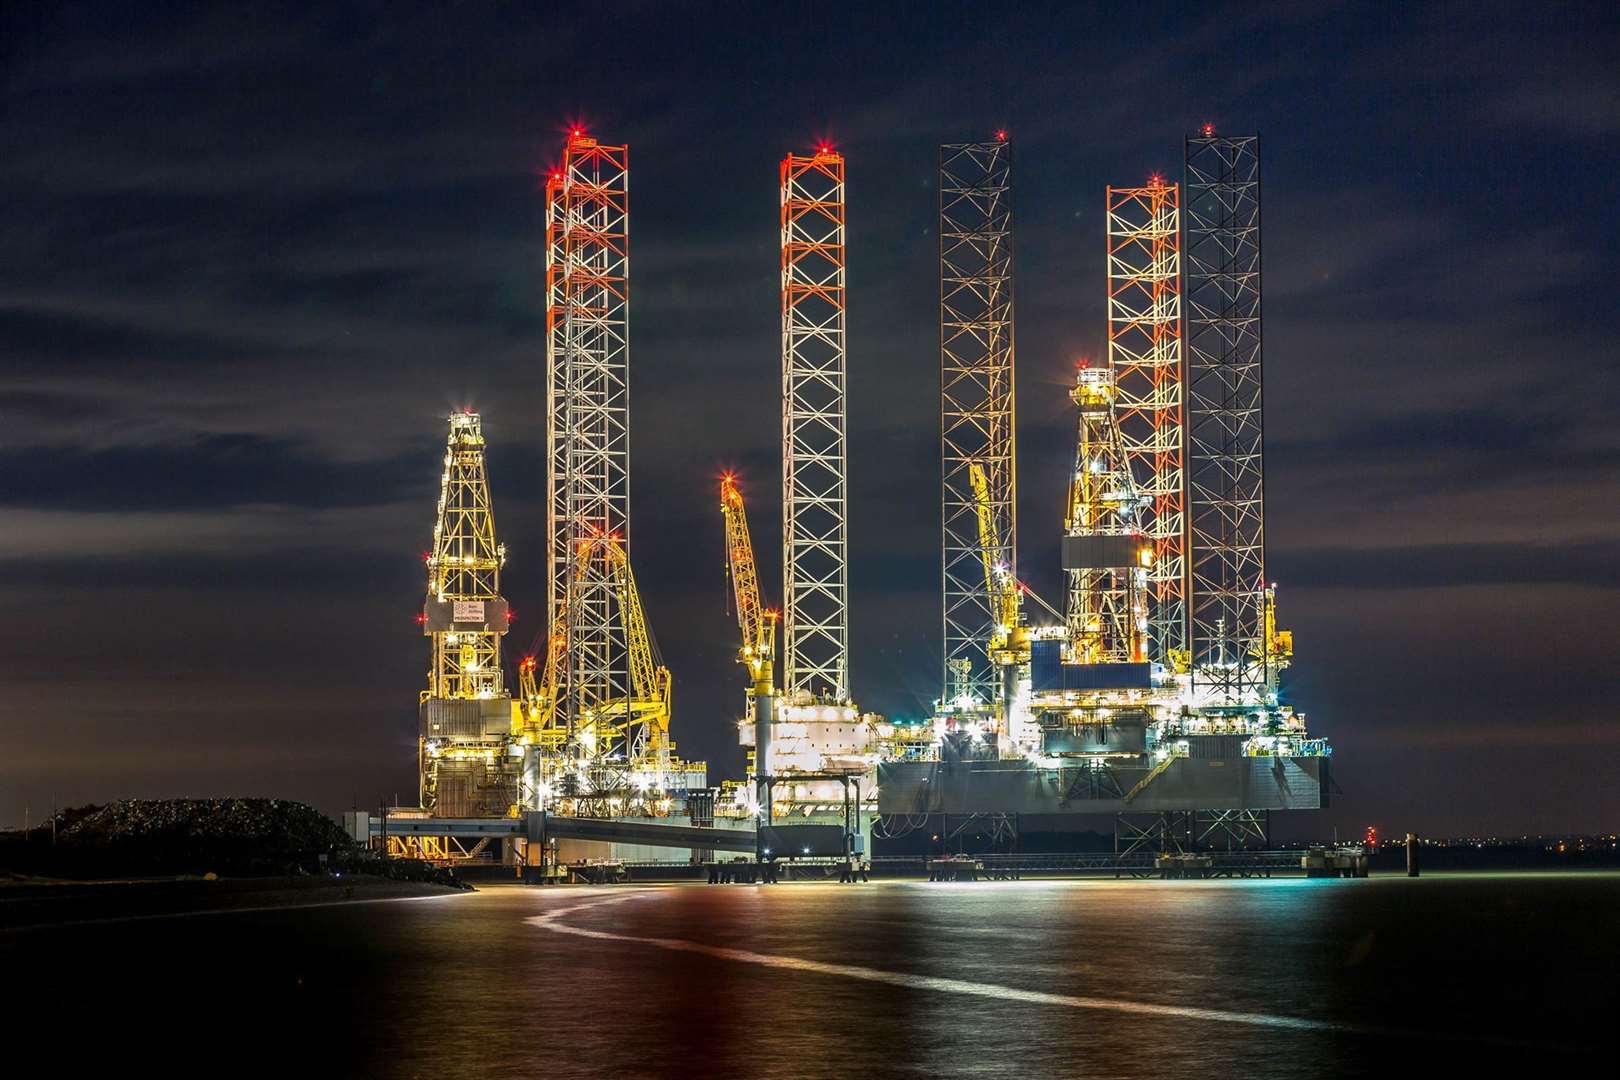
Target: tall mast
976,404
815,533
1226,435
1145,365
588,426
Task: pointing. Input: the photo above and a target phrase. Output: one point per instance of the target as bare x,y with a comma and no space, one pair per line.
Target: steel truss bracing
1145,361
1226,478
814,484
1186,831
1106,612
460,767
588,427
1230,829
976,402
464,569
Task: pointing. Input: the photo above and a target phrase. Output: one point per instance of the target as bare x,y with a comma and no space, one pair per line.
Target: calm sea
1286,978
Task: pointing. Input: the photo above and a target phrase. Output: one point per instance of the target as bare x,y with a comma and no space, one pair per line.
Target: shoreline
48,904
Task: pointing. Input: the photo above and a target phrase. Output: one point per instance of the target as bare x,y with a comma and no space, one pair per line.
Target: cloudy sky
249,259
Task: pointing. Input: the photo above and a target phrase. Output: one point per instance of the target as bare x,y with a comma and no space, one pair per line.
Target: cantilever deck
539,826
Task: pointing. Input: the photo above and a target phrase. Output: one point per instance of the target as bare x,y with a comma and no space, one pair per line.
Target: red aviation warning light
1209,131
1001,135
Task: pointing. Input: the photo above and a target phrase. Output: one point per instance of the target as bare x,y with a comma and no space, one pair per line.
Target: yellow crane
758,626
1009,639
649,679
539,698
637,725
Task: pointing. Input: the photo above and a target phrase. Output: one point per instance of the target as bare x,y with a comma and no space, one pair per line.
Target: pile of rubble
225,836
181,837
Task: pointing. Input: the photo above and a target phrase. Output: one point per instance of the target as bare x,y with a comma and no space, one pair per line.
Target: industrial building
1151,696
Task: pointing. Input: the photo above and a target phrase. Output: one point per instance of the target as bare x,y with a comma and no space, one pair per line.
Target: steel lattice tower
814,484
464,711
588,420
976,399
464,614
1145,361
1226,477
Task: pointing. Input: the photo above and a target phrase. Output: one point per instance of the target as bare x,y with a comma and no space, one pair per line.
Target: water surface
1284,978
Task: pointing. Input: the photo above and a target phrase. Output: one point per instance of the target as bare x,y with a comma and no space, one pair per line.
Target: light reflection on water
469,988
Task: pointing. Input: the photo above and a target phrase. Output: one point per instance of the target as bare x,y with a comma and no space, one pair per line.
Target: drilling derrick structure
1145,364
1105,554
814,462
465,712
977,429
588,451
1232,658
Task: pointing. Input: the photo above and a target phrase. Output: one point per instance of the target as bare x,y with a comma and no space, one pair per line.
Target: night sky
249,259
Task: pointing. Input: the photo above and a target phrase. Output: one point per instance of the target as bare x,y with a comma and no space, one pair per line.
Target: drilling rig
1157,698
466,714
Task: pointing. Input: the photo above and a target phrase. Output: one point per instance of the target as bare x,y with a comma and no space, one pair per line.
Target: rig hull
1023,787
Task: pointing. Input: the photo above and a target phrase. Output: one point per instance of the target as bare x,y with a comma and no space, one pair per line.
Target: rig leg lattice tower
1145,362
814,461
1226,478
588,441
976,401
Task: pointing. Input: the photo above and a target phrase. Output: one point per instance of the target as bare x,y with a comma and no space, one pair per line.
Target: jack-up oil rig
1153,696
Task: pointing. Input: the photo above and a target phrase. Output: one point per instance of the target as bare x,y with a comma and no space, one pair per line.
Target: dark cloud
214,471
252,257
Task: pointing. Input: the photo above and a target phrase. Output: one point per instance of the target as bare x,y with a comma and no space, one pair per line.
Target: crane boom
540,696
649,678
1001,587
757,625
